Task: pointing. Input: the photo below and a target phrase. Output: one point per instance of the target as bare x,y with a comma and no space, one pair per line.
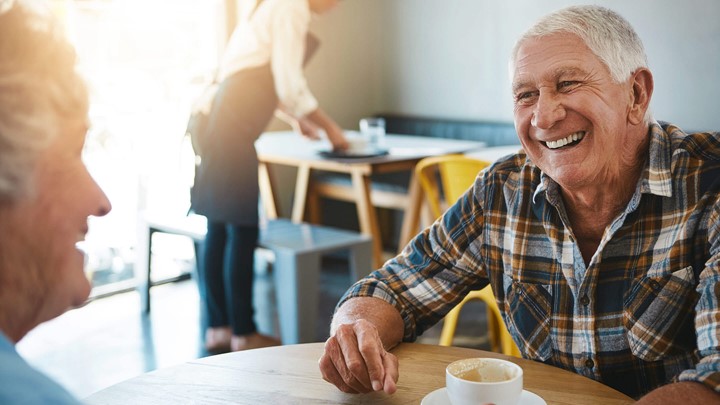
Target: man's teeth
562,142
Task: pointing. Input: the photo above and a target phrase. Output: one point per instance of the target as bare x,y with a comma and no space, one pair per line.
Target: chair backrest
445,178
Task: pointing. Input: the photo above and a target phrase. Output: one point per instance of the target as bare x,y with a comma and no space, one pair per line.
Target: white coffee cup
357,143
478,381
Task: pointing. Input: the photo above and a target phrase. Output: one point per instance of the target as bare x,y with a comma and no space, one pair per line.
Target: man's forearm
384,316
685,392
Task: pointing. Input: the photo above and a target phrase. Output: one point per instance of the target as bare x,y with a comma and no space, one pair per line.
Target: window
145,61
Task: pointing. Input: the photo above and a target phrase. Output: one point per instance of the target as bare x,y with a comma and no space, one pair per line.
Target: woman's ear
642,89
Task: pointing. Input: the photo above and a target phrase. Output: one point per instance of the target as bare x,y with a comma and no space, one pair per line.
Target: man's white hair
608,35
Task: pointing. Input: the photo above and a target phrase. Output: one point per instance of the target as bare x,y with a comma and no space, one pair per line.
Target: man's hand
355,360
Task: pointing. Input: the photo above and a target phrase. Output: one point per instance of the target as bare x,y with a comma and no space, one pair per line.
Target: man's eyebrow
552,76
519,85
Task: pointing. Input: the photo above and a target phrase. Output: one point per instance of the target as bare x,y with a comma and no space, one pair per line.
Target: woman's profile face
40,231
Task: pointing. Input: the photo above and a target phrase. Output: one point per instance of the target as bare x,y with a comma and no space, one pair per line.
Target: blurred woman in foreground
46,192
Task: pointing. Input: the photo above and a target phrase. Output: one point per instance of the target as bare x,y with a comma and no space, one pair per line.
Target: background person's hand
306,128
337,139
355,360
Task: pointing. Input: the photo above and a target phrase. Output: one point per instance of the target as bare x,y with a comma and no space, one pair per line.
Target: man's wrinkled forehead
558,55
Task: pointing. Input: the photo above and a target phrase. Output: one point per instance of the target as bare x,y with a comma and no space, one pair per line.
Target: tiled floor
108,340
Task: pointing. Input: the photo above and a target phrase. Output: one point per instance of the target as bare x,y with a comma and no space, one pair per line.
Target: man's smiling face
570,115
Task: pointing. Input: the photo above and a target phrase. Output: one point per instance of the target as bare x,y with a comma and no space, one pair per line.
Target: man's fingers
392,373
334,349
342,349
331,375
354,361
372,350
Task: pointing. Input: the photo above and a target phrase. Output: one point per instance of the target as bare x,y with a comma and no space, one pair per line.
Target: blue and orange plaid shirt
644,312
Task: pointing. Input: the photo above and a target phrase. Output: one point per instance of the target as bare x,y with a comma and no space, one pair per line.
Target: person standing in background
46,192
261,74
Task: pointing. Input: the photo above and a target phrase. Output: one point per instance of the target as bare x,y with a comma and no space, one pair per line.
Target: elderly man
601,241
46,193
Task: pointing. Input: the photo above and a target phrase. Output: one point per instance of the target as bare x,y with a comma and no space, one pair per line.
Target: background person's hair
39,91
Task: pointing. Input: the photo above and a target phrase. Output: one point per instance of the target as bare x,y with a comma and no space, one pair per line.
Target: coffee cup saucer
440,397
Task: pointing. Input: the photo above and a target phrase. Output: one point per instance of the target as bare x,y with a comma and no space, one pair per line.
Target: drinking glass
373,128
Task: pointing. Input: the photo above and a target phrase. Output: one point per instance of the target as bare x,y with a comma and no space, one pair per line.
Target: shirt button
585,300
589,363
654,285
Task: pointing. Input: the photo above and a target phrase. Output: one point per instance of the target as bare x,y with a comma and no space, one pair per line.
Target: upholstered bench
297,249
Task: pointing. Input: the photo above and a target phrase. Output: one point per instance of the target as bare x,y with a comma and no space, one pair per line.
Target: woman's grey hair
608,35
40,90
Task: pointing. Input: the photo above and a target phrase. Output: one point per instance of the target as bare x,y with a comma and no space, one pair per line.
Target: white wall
449,58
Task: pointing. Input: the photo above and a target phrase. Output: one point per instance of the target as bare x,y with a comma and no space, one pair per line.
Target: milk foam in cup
477,381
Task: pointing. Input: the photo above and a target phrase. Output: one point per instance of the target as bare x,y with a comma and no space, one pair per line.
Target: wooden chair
443,180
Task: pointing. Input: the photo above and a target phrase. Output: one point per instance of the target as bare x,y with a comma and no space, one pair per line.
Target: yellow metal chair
443,180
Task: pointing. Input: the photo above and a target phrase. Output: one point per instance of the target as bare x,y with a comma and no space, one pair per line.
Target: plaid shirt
644,312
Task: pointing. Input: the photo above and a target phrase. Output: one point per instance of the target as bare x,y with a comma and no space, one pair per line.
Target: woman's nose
104,206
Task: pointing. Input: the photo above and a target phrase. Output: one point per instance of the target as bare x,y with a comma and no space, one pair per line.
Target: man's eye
567,84
524,96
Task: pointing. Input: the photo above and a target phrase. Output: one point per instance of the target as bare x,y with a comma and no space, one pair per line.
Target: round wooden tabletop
290,375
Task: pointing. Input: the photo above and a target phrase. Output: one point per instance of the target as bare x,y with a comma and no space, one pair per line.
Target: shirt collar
5,343
656,177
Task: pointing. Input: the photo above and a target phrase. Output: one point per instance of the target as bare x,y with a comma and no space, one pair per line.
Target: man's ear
642,89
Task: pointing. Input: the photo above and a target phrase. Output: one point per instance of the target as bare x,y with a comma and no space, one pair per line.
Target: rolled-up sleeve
289,30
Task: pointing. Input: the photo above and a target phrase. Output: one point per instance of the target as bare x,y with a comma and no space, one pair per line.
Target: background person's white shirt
275,34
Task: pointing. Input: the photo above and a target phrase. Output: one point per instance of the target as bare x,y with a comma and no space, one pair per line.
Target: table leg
366,214
267,195
142,268
301,190
360,260
297,295
314,212
411,218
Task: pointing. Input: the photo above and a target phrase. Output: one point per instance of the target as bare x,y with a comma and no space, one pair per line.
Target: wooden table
290,375
290,149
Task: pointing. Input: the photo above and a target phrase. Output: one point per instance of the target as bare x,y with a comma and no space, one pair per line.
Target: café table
289,149
290,375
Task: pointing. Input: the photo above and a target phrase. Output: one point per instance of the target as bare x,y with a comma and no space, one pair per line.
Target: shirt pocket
657,313
528,317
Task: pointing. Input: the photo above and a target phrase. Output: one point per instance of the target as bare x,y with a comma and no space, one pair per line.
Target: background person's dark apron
226,181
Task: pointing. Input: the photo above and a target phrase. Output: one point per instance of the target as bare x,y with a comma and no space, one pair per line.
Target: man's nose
548,111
